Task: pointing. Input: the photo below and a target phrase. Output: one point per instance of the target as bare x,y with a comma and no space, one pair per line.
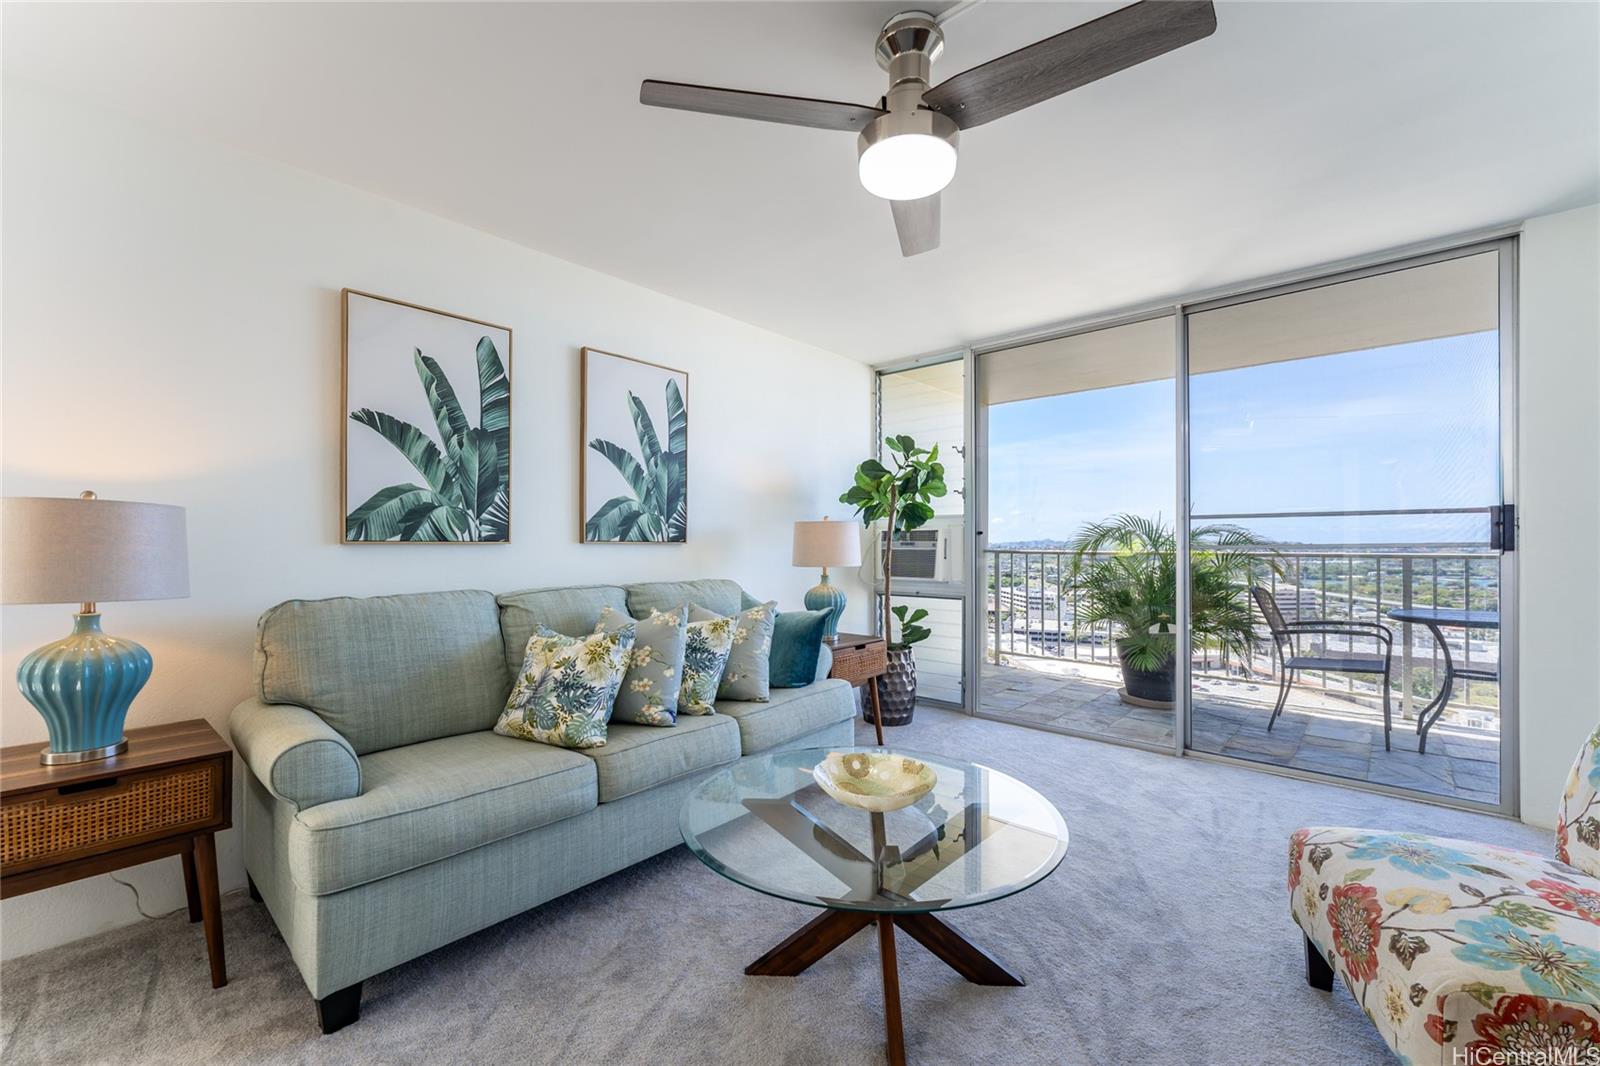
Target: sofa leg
339,1009
1319,974
255,893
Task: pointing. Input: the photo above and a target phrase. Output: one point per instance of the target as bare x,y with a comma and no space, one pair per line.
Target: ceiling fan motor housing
907,46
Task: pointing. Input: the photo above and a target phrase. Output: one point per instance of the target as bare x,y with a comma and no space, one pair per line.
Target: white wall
1558,471
171,334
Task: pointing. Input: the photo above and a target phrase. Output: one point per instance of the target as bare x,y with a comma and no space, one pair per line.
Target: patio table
1437,619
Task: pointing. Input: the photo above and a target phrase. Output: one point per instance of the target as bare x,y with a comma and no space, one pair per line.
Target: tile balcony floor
1317,731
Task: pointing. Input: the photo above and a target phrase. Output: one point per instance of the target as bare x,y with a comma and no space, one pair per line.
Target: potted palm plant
1126,573
901,498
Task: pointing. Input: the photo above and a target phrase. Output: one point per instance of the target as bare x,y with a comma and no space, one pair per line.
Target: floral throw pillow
707,643
564,694
750,662
649,693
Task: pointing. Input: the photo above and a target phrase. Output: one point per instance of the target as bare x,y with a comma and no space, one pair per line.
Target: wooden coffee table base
818,937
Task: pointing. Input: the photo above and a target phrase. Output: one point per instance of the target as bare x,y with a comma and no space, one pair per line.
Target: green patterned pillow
649,693
749,663
705,656
563,695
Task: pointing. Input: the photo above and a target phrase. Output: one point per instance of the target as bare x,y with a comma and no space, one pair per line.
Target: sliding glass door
1078,470
1274,527
1347,494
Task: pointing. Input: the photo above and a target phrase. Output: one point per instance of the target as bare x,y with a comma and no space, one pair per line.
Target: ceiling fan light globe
907,155
909,166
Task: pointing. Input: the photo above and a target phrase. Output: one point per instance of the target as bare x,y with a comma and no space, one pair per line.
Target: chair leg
1284,682
1319,974
1388,720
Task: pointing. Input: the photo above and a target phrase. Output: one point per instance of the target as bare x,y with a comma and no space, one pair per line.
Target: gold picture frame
425,408
643,519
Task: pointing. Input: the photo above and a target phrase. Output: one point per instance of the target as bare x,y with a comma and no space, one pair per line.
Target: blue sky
1406,426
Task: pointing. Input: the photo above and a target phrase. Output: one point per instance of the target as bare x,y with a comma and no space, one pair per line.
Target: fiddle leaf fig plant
900,496
910,632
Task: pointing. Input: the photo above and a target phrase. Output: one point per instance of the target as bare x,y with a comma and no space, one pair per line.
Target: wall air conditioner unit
926,561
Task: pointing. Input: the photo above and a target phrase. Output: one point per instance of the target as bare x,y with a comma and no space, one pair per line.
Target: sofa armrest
295,754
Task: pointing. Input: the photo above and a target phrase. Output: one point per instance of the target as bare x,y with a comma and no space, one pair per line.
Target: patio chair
1286,651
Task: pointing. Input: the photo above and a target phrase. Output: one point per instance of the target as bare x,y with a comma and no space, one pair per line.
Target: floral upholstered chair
1462,953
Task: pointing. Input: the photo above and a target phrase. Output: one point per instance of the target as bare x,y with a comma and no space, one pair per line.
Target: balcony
1042,668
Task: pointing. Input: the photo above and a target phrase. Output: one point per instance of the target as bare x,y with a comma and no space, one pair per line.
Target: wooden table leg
205,862
891,992
191,887
809,943
877,709
959,953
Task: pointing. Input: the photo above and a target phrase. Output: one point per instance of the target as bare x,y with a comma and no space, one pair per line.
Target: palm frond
468,494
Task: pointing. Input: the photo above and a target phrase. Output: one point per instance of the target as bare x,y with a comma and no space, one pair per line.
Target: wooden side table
168,794
861,659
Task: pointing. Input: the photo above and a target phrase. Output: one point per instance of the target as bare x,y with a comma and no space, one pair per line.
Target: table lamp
86,550
827,544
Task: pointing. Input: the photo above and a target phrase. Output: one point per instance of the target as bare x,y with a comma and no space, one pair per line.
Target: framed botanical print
634,467
426,427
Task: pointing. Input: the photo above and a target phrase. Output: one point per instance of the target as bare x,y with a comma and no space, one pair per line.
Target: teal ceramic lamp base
83,686
822,597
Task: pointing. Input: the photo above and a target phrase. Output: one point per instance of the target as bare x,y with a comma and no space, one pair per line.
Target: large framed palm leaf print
427,425
634,471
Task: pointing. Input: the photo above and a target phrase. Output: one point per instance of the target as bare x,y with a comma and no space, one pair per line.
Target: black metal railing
1034,607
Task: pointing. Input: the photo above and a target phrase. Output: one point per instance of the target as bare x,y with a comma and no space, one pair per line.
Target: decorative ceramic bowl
873,781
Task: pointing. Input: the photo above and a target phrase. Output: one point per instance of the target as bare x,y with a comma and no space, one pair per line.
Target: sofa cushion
573,612
790,713
714,594
637,757
1451,946
387,670
431,800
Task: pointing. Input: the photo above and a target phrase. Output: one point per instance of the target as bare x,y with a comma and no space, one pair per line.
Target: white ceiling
1299,133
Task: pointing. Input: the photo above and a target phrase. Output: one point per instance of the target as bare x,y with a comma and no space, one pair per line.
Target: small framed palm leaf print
427,426
634,470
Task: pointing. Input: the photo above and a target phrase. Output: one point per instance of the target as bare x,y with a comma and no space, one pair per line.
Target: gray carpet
1163,938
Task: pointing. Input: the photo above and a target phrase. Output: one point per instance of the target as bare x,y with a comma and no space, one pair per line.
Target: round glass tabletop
977,836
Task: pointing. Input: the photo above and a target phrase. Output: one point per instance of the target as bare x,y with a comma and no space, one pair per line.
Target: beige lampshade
827,543
56,550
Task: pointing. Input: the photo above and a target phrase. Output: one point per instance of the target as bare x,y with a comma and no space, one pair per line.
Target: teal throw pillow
797,647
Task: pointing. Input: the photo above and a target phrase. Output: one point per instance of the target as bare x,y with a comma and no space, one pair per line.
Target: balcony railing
1034,606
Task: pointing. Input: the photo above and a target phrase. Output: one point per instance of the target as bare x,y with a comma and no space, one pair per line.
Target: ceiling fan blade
1077,57
766,107
917,224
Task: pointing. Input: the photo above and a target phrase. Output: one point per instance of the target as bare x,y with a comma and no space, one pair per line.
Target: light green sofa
382,816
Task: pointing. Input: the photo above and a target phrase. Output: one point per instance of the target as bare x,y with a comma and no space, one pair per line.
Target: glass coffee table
978,836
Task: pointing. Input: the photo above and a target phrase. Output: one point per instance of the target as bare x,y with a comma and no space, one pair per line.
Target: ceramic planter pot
897,688
1148,687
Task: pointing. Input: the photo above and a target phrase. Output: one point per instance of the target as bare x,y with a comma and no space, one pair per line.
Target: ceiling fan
906,145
